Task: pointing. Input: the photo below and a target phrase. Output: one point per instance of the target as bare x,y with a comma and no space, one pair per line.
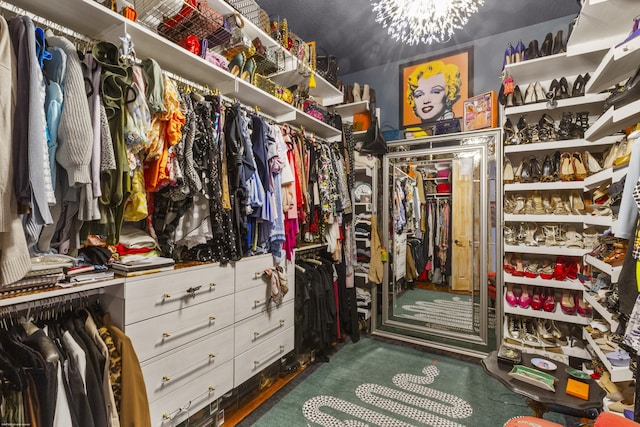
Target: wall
488,55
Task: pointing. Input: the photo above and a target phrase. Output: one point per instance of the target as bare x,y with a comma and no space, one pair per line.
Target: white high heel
357,97
365,93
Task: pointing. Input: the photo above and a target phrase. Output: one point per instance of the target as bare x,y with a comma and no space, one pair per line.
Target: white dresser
201,331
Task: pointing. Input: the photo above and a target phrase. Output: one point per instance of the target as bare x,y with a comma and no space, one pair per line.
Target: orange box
577,389
480,112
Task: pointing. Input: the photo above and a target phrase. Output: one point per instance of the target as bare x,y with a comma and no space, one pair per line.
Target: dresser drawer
167,374
263,326
249,271
161,293
254,301
185,401
164,333
259,357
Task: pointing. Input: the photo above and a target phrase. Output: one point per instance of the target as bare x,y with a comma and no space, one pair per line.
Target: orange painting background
408,117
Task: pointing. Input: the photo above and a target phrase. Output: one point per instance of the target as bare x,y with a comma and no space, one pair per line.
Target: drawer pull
212,318
278,326
212,356
166,296
212,285
256,363
257,303
165,379
257,275
192,290
211,388
166,335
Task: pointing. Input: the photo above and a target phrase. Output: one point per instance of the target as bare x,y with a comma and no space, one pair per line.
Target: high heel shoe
559,273
517,96
519,52
549,304
529,94
536,299
567,302
566,172
583,307
509,132
578,86
592,164
547,45
564,89
248,70
547,170
630,93
525,299
519,268
507,175
533,51
558,43
236,64
357,96
547,128
510,297
509,54
539,92
579,171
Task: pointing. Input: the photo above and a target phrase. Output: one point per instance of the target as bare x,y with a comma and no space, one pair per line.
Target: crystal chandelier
423,21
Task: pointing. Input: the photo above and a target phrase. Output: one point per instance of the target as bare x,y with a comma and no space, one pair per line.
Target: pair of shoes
559,88
543,299
533,51
579,83
629,93
518,297
514,99
534,93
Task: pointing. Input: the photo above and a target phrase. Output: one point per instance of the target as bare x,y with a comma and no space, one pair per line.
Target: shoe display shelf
614,120
602,311
601,24
97,22
617,65
618,373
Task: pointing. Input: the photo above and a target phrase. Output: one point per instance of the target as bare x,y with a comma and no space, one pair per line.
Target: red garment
123,250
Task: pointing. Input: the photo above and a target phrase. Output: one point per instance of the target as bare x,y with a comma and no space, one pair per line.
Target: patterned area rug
374,383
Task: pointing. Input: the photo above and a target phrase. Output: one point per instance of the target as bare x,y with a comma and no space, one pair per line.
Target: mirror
440,233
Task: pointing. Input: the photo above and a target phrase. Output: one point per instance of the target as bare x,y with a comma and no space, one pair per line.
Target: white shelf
349,110
565,284
97,22
602,311
614,120
555,185
548,67
544,218
618,373
599,220
546,250
56,292
602,24
557,315
589,102
617,65
560,145
596,179
614,272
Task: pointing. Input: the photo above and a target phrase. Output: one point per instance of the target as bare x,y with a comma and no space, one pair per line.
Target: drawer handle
165,379
192,290
257,275
278,326
212,285
212,356
258,303
166,335
166,296
212,318
277,352
211,388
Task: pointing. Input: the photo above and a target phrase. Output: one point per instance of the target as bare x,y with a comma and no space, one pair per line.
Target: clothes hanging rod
35,304
43,21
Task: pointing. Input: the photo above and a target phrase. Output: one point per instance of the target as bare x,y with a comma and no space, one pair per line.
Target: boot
357,97
365,93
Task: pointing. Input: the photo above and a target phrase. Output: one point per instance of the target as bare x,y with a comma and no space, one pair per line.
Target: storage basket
390,133
247,8
201,21
265,64
327,67
265,22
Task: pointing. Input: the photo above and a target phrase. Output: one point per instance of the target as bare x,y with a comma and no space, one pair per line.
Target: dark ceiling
347,28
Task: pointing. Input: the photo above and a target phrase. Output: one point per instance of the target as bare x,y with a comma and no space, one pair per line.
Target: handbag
447,126
374,142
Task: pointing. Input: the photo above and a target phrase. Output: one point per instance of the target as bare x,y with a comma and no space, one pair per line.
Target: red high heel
571,269
550,301
559,271
508,266
510,296
519,269
537,300
583,307
524,300
567,303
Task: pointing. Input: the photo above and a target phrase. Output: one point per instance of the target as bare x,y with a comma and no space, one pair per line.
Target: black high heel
547,170
502,98
517,96
564,89
509,132
578,86
547,45
523,134
558,44
629,93
533,51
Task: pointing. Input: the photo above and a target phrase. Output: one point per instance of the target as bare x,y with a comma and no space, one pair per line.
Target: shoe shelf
600,220
544,218
593,181
564,284
617,65
601,310
618,373
545,250
546,67
599,25
613,272
347,110
555,185
560,145
98,22
556,315
614,120
589,102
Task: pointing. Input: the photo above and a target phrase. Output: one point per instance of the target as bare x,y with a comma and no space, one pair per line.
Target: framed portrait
435,88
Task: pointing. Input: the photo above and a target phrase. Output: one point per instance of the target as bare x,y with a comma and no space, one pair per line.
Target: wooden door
462,225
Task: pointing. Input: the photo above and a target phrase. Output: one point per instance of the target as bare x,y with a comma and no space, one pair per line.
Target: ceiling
347,28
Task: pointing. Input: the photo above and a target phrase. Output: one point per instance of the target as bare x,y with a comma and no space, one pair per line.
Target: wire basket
177,19
248,9
265,22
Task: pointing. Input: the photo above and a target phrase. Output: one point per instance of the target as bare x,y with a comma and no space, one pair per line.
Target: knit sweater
14,255
75,131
